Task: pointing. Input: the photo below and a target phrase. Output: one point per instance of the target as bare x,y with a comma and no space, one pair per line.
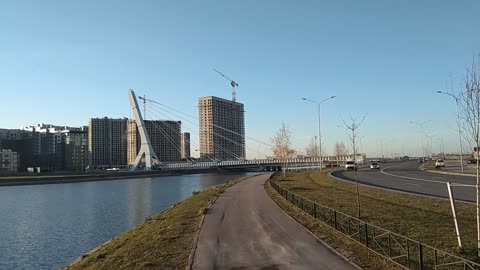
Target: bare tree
340,149
352,134
469,107
312,148
281,146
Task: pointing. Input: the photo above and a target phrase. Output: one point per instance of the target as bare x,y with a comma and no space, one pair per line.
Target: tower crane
232,83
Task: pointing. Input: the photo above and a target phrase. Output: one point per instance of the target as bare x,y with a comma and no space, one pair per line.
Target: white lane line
413,184
411,178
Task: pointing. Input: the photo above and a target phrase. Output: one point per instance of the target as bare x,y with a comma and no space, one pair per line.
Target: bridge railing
260,162
401,250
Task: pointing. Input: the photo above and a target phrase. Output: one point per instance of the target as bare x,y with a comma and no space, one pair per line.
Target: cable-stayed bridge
147,158
258,164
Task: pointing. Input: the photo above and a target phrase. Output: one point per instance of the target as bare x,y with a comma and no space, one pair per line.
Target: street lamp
421,130
381,148
320,163
456,98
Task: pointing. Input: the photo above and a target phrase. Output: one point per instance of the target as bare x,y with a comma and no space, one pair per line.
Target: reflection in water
47,226
138,201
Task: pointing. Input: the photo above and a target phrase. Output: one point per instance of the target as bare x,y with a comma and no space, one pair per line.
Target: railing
403,251
291,162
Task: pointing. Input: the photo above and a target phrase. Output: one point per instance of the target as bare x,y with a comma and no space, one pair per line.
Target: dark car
472,161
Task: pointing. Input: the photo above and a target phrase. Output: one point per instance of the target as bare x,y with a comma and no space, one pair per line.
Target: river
48,226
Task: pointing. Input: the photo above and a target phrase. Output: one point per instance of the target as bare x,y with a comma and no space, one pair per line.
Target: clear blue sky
62,62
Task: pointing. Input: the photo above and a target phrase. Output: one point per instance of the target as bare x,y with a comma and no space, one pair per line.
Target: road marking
412,184
411,178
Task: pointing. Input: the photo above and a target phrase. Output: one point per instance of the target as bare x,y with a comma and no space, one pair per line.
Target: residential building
49,147
185,145
76,149
222,129
20,142
107,142
8,161
164,136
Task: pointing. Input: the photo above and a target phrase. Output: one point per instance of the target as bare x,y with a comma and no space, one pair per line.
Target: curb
336,252
197,235
395,190
451,173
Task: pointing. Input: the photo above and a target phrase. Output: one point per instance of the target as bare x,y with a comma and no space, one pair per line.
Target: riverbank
425,219
90,177
164,241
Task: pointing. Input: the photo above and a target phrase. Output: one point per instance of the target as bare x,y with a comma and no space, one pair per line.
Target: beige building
107,142
164,136
8,161
222,129
185,145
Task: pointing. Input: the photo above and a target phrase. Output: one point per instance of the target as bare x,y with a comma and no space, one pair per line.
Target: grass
429,165
351,249
425,219
164,241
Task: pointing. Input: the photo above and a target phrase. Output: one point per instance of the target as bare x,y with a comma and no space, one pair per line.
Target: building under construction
222,129
164,136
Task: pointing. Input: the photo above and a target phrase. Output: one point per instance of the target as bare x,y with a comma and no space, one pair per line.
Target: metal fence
401,250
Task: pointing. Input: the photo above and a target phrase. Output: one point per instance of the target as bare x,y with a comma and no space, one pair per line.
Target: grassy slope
164,241
351,249
425,219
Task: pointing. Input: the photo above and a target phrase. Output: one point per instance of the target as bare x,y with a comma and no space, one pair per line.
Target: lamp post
421,130
320,163
456,98
381,148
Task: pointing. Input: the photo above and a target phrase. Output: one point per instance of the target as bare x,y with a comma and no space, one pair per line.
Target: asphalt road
245,229
407,177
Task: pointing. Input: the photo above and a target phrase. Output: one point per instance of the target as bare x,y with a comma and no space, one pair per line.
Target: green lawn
424,219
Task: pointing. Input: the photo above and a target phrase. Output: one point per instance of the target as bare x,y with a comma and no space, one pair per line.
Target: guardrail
403,251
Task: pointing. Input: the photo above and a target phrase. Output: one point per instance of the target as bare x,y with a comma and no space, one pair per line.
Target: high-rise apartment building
185,145
164,136
9,161
41,146
76,149
107,142
222,129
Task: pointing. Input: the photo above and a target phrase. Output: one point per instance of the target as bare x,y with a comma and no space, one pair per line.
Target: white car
351,165
374,166
439,163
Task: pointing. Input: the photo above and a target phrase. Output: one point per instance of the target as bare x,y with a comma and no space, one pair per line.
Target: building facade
222,129
185,145
107,143
38,146
76,149
164,136
9,161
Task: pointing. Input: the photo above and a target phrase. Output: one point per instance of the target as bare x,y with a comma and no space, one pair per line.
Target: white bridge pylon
146,150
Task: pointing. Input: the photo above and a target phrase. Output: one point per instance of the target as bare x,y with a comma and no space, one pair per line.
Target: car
439,163
472,161
374,166
351,165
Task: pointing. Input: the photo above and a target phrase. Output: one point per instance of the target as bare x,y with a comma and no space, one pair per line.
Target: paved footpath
245,229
